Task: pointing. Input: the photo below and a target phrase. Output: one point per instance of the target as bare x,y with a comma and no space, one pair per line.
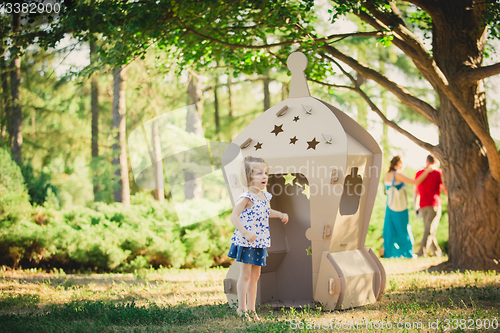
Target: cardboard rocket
324,170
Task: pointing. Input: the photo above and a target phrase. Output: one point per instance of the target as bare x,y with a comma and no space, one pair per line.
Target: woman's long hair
395,160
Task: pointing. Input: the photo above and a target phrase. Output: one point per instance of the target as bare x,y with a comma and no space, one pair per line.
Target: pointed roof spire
297,63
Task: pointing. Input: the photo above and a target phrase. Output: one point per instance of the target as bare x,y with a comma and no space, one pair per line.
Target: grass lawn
171,300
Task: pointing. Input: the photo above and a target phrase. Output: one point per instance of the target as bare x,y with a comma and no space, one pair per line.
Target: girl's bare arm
235,219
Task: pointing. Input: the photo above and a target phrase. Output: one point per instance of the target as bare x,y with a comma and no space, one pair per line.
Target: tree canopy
257,35
445,41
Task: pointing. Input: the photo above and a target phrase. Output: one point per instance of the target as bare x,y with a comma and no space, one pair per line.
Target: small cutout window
353,189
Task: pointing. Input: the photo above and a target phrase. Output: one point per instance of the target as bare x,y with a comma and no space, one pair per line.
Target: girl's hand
284,218
250,236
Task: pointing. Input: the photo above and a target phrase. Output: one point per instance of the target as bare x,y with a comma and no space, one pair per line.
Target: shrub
14,200
114,238
207,242
23,242
39,186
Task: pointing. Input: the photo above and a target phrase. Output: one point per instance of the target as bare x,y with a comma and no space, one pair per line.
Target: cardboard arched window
353,189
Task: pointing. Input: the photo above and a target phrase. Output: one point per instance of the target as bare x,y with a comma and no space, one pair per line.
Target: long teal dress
398,238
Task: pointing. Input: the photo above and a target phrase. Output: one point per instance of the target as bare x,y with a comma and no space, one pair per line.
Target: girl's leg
242,287
252,290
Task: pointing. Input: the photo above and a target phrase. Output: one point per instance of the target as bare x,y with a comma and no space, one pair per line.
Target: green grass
175,300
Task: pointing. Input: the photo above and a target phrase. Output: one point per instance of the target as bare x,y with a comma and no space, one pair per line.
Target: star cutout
293,140
312,144
277,129
307,191
289,179
296,118
258,146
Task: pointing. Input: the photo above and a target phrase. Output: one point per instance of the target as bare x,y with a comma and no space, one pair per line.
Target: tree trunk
230,87
284,91
231,96
216,106
362,112
267,94
4,99
474,200
192,183
384,140
159,191
94,110
15,81
122,191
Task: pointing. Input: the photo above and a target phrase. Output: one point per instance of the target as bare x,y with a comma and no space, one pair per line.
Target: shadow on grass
96,316
99,316
103,316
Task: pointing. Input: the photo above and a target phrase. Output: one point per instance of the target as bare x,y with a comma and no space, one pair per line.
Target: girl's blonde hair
246,169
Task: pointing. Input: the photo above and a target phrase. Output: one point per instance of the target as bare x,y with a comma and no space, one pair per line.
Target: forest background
63,204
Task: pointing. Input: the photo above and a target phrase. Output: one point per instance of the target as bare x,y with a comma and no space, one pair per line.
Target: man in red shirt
428,201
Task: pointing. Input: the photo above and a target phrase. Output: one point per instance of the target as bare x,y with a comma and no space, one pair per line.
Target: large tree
444,40
20,26
120,160
15,80
94,112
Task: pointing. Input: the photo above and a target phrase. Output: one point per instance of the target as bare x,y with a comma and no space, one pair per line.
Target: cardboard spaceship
324,170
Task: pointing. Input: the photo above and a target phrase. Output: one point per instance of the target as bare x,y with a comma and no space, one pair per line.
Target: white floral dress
256,220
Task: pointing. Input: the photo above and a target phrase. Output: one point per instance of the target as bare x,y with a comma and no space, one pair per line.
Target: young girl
250,217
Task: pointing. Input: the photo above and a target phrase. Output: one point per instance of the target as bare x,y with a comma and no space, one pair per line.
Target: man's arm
441,185
416,199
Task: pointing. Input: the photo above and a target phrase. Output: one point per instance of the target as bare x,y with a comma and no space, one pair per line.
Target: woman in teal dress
398,238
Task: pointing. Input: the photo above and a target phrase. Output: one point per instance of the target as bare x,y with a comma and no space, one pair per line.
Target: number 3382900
30,8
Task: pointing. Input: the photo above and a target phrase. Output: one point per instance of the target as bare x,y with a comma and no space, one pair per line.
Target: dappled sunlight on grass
163,286
193,300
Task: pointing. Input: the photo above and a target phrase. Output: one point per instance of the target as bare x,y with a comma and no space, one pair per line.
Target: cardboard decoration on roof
324,170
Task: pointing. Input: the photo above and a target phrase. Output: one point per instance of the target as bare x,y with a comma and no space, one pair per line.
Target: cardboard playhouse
324,170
